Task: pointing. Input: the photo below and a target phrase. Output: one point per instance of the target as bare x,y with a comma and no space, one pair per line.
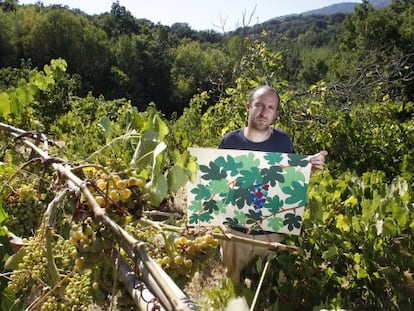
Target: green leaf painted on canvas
206,217
221,207
253,216
292,221
194,219
241,197
275,223
291,174
195,206
297,193
249,178
273,158
248,161
298,160
272,175
229,164
219,186
273,205
240,216
213,171
201,192
210,206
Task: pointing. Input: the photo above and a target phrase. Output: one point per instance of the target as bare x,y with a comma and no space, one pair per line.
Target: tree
142,63
8,49
62,33
197,68
375,56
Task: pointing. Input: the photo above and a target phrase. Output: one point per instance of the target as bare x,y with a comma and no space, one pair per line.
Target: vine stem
37,302
274,246
158,280
48,222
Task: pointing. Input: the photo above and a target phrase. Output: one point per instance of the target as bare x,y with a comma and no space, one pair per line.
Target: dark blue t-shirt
279,141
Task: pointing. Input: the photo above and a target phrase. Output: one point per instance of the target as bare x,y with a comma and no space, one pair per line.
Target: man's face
262,109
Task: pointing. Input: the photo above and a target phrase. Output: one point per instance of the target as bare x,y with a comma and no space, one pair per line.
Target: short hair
267,88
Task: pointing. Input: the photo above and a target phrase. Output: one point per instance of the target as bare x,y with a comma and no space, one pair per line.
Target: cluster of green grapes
120,196
32,272
94,244
89,238
179,256
32,266
76,295
25,208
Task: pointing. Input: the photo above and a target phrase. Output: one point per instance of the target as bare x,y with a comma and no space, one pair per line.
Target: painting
248,189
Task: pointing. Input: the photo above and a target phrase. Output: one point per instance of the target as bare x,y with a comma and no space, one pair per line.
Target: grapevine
79,246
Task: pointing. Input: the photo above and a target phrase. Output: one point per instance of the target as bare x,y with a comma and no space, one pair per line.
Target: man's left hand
318,160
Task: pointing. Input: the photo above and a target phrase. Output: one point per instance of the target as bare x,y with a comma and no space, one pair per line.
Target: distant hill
338,8
290,26
346,7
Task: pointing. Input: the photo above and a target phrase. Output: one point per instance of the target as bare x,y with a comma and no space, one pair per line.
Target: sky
218,15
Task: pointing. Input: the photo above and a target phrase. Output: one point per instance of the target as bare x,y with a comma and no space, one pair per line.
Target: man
258,135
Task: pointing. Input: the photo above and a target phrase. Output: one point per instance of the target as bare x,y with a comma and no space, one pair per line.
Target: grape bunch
32,267
120,196
91,239
32,273
75,297
179,256
94,245
259,196
25,208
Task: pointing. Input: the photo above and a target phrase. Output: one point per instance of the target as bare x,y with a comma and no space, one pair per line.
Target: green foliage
361,137
194,68
354,248
42,97
376,44
7,37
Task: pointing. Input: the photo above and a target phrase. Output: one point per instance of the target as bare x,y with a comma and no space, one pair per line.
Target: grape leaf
272,174
229,164
292,221
201,192
248,178
212,172
176,179
273,205
4,104
297,193
210,206
298,160
273,158
275,223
